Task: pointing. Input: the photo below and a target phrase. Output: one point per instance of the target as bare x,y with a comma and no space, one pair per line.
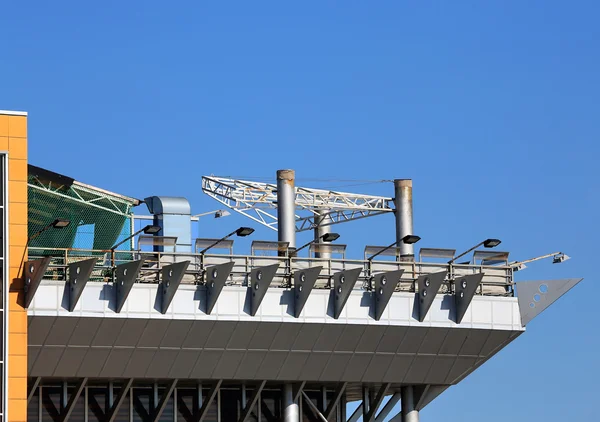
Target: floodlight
222,213
244,231
410,239
519,266
557,258
561,257
60,223
330,237
150,229
327,237
491,243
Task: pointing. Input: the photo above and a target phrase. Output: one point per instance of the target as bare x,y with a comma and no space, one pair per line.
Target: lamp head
410,239
60,223
519,267
491,243
150,229
222,213
330,237
244,231
561,257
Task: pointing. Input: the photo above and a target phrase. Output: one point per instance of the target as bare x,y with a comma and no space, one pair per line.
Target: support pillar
404,215
291,411
286,207
320,230
409,413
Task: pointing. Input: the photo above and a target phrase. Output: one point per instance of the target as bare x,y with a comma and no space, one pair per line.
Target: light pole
487,243
327,237
59,223
557,258
241,232
149,229
409,239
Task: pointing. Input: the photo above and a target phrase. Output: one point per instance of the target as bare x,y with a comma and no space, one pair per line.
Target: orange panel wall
13,138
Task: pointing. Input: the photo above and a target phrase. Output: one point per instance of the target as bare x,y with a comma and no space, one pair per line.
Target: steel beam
78,273
252,401
385,284
114,410
376,402
343,283
209,398
314,408
216,276
465,287
357,413
297,389
428,287
33,387
304,281
339,392
125,276
73,400
260,280
389,406
170,276
409,412
163,401
34,273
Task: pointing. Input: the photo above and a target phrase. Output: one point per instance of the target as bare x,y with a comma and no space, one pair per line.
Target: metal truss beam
297,389
114,410
389,406
203,412
357,413
33,387
314,407
64,417
375,403
163,401
258,201
339,392
252,401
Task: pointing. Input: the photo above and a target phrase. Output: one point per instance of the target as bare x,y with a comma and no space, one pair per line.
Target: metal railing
497,279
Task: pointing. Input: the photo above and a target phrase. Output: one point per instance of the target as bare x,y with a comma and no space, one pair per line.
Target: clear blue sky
492,108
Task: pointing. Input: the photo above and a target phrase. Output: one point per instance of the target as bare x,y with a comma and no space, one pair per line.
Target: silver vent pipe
404,215
286,207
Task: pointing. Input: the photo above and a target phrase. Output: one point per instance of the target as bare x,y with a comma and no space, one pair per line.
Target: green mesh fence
98,220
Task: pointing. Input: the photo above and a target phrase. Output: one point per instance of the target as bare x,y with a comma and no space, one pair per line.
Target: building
102,323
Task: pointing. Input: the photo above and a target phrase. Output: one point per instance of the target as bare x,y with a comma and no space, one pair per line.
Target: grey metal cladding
260,280
343,283
385,284
170,277
428,287
304,281
465,287
125,276
34,272
535,296
78,273
216,276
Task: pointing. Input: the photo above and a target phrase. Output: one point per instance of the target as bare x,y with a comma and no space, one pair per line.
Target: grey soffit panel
343,283
34,272
304,281
260,280
428,287
78,273
170,277
535,296
385,284
465,287
125,276
216,276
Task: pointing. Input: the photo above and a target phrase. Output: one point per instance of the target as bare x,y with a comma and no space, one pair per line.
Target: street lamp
327,237
59,223
557,258
487,243
241,232
217,214
149,229
409,239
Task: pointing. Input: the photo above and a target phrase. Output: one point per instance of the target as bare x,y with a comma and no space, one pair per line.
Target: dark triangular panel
343,283
170,277
260,280
428,287
216,276
304,281
385,284
34,273
535,296
78,273
465,287
125,276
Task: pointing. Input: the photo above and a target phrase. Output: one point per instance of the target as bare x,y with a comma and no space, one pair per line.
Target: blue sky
490,107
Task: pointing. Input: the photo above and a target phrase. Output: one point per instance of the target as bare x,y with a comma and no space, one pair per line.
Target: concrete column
286,207
404,213
320,230
291,411
409,413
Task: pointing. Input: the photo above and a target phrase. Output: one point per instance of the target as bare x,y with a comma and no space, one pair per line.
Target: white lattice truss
258,201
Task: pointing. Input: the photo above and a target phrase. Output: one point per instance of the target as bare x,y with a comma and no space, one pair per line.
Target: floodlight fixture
150,229
557,258
241,232
60,223
487,243
222,213
409,239
327,237
215,213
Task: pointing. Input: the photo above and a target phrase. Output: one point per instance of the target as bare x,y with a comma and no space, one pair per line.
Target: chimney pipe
286,207
404,214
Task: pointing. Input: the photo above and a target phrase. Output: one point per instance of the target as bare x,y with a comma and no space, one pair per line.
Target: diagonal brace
339,392
112,414
163,401
252,401
209,398
73,400
374,406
